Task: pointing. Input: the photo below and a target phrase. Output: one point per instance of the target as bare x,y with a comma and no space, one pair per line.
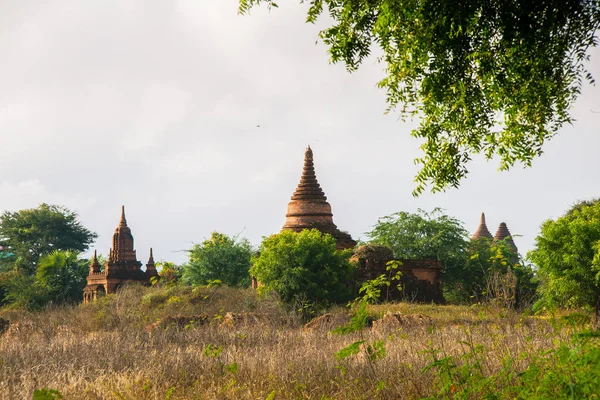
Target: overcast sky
155,105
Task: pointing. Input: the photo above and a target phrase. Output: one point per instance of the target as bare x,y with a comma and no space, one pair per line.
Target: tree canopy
567,255
29,234
426,235
473,269
492,77
221,258
303,266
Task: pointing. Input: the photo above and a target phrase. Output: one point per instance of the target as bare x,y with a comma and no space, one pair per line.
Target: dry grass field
133,345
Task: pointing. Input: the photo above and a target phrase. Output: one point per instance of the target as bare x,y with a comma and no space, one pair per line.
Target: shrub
222,258
304,265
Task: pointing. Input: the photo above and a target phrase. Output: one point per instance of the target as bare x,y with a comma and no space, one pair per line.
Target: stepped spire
482,230
95,266
122,249
309,187
123,221
309,208
150,266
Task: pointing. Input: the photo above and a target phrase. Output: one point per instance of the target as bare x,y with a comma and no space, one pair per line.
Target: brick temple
309,208
121,267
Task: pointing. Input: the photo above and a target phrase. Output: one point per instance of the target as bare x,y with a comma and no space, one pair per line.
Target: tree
303,266
472,268
63,274
60,278
424,235
169,274
567,254
492,77
30,234
221,258
494,272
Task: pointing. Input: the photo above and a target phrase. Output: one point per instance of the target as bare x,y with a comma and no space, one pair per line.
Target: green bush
221,258
303,266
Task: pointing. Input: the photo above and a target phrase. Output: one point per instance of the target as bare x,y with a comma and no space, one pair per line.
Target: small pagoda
122,265
504,234
309,208
482,231
501,234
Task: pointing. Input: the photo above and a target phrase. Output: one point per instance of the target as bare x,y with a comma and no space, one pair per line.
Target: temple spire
309,188
150,266
123,221
95,266
482,230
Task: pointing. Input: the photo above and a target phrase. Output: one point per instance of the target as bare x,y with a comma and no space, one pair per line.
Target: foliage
424,235
371,293
567,254
63,274
569,371
60,278
493,272
46,394
497,78
23,291
169,273
32,233
221,258
303,264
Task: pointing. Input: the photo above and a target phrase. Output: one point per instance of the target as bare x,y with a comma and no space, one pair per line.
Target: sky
196,119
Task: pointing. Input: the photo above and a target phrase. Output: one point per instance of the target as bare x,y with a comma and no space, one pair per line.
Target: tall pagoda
122,265
309,208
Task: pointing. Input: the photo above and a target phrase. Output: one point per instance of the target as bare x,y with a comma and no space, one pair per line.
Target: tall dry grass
105,351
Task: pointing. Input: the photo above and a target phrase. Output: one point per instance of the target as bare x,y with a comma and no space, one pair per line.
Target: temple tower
122,265
150,266
309,208
482,231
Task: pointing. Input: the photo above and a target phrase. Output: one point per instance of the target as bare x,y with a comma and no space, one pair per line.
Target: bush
303,266
222,258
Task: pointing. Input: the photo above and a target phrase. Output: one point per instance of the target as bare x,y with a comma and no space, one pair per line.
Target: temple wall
420,279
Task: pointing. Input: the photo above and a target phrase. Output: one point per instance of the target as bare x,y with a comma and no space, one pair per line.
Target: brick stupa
504,234
122,265
482,230
309,207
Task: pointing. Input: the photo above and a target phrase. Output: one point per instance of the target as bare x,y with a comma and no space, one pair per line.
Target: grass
105,350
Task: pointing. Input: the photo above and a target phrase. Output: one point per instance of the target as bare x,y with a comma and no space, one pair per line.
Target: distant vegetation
40,261
222,258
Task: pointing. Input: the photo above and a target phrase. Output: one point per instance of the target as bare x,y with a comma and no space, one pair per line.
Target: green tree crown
567,254
32,233
221,258
491,77
303,265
